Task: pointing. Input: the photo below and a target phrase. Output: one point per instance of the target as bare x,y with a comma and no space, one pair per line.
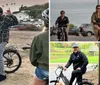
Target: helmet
75,45
45,16
1,11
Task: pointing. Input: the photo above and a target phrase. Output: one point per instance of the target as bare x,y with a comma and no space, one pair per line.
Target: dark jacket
5,23
62,22
78,59
39,53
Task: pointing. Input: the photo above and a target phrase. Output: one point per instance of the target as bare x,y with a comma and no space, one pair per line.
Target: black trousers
76,74
59,31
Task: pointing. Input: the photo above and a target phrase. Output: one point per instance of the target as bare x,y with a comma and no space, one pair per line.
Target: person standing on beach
39,53
5,23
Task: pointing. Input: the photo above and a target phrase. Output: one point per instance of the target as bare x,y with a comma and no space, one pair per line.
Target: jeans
41,74
2,47
76,74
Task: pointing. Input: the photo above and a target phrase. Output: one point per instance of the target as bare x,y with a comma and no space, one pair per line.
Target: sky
19,3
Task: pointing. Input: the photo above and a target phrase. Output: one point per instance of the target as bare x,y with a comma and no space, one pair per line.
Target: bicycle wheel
86,83
62,37
12,60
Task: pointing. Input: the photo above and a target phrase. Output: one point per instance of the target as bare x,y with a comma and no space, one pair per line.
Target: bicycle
65,80
62,31
12,60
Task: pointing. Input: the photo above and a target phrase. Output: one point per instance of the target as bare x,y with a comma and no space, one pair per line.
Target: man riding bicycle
62,21
80,62
39,54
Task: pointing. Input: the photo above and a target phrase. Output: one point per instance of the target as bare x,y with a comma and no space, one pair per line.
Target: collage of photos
49,42
74,42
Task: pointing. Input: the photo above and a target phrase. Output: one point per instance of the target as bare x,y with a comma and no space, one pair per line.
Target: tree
34,11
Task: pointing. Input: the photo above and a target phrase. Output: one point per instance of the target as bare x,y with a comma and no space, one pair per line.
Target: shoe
2,77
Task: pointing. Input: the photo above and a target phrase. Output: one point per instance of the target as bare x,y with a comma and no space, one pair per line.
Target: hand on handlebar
78,68
65,68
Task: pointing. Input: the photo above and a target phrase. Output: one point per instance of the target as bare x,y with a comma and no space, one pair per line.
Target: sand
24,75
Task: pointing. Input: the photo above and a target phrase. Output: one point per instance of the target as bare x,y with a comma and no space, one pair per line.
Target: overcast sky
19,3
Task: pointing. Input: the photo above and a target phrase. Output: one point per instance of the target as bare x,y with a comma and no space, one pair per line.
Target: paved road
75,38
67,73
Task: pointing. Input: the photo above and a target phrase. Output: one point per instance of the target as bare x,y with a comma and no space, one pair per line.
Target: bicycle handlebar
59,67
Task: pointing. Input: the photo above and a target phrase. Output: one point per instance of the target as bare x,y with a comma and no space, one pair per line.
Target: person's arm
69,62
67,23
57,21
85,61
93,20
33,50
7,22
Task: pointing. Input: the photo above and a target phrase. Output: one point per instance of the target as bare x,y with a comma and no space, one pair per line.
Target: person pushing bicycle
80,62
62,21
39,54
5,22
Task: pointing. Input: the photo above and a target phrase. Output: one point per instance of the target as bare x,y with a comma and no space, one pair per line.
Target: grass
62,54
64,59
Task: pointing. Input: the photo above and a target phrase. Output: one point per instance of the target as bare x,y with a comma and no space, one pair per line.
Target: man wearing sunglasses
62,21
79,61
95,21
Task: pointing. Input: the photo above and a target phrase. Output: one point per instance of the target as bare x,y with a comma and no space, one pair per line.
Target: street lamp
98,2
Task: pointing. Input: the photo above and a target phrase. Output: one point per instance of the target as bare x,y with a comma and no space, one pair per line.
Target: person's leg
36,81
79,76
58,33
2,71
96,32
66,35
72,78
40,77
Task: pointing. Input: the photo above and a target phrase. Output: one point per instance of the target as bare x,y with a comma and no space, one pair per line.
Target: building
21,16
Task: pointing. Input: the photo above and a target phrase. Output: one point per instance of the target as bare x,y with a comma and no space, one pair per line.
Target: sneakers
2,77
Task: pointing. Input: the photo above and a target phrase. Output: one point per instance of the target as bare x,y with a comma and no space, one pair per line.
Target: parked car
73,31
53,31
86,30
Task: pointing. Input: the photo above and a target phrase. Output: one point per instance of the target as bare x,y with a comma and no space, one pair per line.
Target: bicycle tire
19,57
86,83
62,38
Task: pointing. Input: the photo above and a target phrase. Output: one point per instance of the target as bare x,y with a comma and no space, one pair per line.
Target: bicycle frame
61,76
64,78
62,34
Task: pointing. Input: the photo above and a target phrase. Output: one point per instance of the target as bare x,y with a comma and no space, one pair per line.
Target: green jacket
39,53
